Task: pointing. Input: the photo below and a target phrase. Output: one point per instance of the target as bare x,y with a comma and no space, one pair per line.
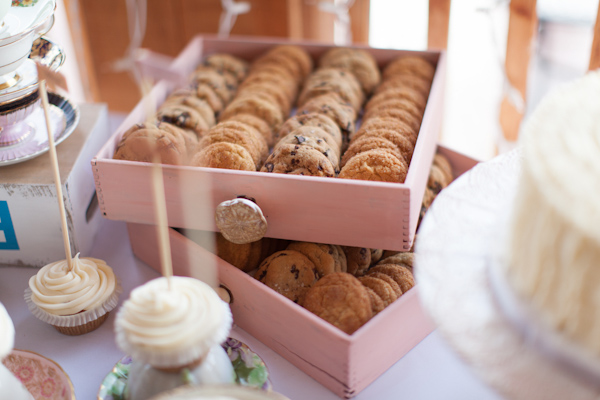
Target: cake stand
460,241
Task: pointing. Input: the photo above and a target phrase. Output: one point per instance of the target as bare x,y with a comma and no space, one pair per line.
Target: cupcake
75,301
11,387
173,332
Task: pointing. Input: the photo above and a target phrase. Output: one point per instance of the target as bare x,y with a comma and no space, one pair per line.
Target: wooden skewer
158,192
57,183
160,209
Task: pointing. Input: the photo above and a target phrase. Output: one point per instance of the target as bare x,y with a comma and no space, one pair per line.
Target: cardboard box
343,363
342,211
30,229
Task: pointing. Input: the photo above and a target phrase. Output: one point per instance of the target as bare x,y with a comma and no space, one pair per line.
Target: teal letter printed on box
8,239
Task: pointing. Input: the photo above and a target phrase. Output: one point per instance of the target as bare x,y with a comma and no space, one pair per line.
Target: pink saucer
42,377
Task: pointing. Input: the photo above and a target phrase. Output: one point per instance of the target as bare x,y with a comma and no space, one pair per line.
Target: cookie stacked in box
242,138
234,115
440,176
251,103
383,146
344,285
186,115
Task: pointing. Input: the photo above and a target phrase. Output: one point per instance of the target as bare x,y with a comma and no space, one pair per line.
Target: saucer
42,377
29,138
249,368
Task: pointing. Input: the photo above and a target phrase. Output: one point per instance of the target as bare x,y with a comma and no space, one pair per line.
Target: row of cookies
311,142
346,77
186,115
440,176
246,127
371,280
382,148
304,270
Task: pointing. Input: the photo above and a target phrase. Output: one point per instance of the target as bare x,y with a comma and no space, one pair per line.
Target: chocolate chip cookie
142,141
260,125
399,114
298,54
358,259
413,66
375,165
400,275
404,259
215,81
437,179
367,143
422,85
377,304
382,288
442,162
241,134
341,300
199,105
227,63
333,80
376,255
317,143
377,123
276,93
298,160
273,75
317,120
280,60
401,141
183,117
324,256
245,256
359,62
395,104
258,107
335,108
289,273
224,155
406,93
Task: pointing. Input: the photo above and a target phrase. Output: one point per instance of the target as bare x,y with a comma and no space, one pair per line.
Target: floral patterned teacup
23,3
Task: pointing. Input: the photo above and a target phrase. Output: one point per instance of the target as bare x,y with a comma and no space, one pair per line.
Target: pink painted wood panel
353,213
345,364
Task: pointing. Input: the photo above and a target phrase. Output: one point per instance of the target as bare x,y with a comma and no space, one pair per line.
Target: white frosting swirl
7,333
172,327
86,286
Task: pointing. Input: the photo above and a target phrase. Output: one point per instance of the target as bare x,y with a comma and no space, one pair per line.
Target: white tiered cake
554,246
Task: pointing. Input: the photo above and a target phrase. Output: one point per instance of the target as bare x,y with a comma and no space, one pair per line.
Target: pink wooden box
326,210
345,364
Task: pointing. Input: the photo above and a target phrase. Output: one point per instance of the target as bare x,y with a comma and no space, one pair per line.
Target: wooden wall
171,24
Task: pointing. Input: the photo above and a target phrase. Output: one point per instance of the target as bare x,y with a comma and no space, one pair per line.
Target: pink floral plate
44,378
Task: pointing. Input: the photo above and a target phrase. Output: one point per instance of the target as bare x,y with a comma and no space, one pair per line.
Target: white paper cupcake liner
81,318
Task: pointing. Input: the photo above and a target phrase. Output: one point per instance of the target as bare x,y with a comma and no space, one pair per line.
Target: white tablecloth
429,371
